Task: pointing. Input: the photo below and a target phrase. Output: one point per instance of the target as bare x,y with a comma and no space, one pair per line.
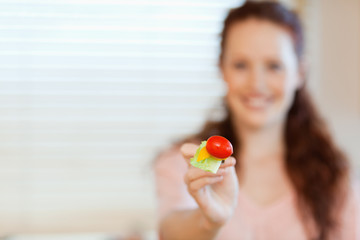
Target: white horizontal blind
89,92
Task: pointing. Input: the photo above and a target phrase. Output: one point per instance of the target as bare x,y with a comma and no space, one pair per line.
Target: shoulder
349,218
168,156
353,198
170,161
172,155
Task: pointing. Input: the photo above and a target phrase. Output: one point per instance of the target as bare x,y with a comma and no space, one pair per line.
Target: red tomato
219,147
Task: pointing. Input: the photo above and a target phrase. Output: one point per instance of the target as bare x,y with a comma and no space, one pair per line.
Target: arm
187,224
215,197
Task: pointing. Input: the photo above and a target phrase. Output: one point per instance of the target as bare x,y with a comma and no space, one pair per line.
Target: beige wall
338,85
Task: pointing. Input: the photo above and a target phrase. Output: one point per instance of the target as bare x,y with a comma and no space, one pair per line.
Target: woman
289,181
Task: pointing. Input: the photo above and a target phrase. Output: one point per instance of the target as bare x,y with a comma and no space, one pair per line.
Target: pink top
279,221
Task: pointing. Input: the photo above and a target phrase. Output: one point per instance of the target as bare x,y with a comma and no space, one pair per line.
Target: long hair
317,168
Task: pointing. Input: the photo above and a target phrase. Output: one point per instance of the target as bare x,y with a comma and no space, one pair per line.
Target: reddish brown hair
317,168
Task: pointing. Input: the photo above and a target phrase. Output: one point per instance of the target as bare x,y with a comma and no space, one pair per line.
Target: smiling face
260,68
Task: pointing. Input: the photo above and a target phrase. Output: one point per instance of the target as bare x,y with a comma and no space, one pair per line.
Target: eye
274,66
240,65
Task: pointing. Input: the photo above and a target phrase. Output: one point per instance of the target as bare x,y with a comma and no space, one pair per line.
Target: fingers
195,186
196,178
196,173
188,150
229,162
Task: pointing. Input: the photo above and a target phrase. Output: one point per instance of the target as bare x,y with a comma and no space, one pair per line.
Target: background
92,90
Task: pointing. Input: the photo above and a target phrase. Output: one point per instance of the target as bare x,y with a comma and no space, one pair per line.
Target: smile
256,103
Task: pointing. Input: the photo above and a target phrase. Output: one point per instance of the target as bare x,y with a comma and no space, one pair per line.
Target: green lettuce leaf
208,164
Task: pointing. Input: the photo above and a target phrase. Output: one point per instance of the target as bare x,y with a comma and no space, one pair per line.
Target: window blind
90,91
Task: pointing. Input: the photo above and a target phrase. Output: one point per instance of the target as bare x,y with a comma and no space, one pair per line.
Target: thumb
188,150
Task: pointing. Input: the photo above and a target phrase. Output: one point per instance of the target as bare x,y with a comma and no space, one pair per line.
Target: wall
339,64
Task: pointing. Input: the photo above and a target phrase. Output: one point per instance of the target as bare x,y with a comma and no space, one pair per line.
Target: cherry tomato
219,147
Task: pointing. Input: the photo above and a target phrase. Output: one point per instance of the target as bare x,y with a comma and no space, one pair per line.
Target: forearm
187,224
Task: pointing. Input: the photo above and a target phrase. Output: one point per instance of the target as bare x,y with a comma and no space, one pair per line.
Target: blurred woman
287,179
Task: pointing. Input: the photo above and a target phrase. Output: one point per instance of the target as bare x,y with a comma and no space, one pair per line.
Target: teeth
256,102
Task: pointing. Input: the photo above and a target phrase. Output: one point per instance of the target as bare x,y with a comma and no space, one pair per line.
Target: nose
257,78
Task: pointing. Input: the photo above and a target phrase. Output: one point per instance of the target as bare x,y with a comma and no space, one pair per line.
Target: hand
216,194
